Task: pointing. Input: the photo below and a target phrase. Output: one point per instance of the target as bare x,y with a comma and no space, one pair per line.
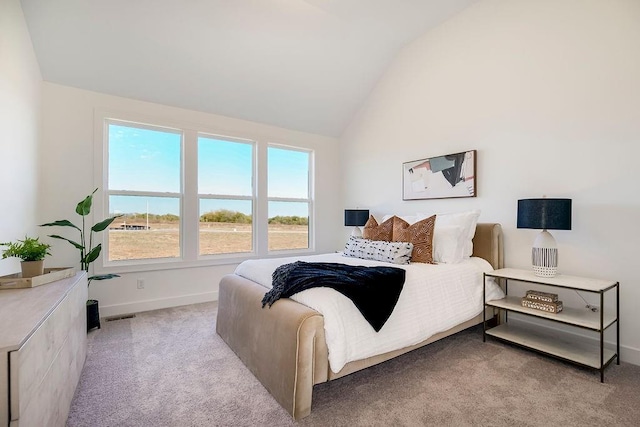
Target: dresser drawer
4,388
45,369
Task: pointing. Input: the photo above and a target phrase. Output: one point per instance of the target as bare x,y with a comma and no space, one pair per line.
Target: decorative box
541,296
549,307
15,281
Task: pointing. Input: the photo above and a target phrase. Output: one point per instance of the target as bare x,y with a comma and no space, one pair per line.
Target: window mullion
311,196
143,193
190,203
261,209
224,197
288,199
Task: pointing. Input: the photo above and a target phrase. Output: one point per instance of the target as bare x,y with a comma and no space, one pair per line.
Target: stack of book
542,301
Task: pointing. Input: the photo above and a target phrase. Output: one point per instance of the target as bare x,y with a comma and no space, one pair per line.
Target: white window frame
189,214
309,199
251,197
107,192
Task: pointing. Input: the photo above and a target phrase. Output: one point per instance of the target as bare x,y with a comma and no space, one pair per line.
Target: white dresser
43,345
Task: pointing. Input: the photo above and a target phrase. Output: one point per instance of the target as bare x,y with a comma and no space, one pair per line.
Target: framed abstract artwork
442,177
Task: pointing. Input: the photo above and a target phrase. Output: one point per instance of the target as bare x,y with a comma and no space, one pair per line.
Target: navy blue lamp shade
355,217
544,214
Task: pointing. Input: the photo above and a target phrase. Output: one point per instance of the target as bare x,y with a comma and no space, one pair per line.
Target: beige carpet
169,368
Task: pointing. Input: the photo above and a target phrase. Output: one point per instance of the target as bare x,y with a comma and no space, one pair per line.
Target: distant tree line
220,215
152,217
225,215
289,220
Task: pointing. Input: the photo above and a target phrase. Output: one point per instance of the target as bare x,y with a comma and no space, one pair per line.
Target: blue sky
149,160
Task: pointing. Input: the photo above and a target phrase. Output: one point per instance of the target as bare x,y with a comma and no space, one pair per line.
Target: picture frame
440,177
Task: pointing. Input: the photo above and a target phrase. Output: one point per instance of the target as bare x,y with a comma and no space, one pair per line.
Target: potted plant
31,251
88,252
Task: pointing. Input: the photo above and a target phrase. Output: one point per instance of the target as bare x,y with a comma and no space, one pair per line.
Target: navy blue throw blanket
373,290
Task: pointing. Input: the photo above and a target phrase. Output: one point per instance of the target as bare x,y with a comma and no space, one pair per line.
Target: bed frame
285,346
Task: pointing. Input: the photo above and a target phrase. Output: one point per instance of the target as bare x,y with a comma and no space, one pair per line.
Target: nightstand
562,345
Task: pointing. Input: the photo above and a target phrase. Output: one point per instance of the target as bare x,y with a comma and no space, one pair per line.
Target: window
225,192
189,197
145,187
289,198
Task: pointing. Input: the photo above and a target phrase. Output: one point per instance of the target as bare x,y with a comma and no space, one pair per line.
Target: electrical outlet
140,283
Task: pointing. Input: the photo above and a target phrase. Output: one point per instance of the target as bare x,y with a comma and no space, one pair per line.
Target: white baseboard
630,355
148,305
627,354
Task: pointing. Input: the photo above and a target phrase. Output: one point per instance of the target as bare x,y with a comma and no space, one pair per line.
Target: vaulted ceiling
300,64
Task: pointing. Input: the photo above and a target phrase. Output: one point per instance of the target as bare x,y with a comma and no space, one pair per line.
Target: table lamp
356,218
544,214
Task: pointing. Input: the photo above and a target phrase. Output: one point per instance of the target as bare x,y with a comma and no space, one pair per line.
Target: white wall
20,97
68,132
548,93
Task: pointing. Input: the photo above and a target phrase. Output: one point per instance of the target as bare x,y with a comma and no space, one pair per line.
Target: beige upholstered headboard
487,244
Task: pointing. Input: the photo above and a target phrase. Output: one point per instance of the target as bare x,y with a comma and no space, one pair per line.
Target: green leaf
77,245
84,207
29,249
93,254
61,223
87,253
102,225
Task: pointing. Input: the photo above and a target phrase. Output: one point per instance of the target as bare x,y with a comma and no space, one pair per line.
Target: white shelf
560,344
561,280
571,316
565,346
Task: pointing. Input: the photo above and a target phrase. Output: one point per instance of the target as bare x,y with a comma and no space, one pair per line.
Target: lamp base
544,255
542,271
356,232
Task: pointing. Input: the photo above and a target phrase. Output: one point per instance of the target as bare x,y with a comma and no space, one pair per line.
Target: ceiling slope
303,65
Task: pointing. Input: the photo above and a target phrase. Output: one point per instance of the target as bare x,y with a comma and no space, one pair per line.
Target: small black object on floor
93,315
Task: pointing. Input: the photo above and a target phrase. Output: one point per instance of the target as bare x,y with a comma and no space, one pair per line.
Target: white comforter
434,299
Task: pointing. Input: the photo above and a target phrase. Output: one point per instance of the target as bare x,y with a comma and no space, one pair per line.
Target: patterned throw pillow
378,250
420,234
373,231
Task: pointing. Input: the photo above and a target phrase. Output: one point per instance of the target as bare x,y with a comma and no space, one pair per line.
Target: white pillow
467,221
379,250
448,244
411,219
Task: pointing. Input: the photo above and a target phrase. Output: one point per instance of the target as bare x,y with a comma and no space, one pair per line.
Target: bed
285,346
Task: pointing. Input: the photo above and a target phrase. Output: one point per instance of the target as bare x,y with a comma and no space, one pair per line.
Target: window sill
176,263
